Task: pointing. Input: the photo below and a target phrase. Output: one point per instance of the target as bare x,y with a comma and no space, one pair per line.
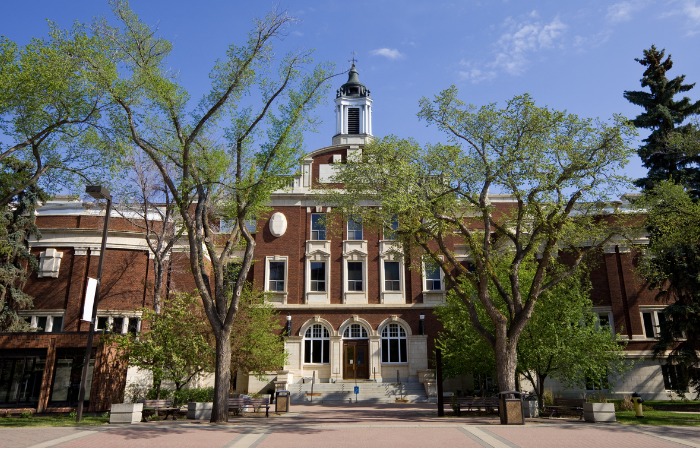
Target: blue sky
577,56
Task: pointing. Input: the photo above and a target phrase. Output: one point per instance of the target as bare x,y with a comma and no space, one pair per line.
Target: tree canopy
562,340
522,182
220,159
665,116
672,266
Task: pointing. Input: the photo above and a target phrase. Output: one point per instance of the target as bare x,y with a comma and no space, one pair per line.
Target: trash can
530,407
282,401
510,408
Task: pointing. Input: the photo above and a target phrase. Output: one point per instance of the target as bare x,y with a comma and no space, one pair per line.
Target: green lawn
659,418
62,420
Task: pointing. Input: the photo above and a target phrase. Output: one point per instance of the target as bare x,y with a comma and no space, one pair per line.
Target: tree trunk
222,380
540,390
506,361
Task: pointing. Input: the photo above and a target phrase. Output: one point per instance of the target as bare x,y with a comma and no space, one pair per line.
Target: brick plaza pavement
355,426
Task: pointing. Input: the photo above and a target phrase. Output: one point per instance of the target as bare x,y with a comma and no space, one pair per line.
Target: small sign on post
357,391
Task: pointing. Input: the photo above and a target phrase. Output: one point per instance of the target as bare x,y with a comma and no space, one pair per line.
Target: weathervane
353,60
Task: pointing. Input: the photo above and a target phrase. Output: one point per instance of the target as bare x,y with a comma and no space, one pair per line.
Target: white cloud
516,46
389,53
623,11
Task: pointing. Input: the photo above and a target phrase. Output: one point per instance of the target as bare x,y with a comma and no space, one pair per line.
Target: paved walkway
355,426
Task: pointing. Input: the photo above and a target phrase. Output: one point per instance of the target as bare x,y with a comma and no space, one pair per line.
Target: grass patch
54,420
659,418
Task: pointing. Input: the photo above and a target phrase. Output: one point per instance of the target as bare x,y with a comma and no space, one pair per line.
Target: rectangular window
391,276
133,325
391,228
604,320
117,325
102,323
433,276
354,229
675,377
652,321
57,324
318,276
276,276
41,323
354,276
318,227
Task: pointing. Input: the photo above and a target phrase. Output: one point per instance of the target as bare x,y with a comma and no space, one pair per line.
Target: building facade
353,305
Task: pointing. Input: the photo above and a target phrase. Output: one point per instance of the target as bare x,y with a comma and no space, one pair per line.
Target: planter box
126,413
530,409
200,411
599,412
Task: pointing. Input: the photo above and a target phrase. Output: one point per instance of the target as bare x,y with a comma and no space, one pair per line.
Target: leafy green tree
49,117
256,338
562,339
16,262
672,266
176,346
663,116
220,159
552,171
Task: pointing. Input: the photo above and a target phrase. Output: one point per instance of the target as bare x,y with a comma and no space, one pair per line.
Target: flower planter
599,412
126,413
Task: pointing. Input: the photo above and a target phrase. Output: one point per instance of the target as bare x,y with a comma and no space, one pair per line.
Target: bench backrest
574,402
157,403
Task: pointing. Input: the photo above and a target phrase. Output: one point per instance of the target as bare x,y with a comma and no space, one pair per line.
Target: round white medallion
278,224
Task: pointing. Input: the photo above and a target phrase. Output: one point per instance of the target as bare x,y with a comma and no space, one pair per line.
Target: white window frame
353,232
386,336
318,234
351,284
110,316
426,279
655,323
325,338
324,281
276,295
392,227
398,283
610,318
33,320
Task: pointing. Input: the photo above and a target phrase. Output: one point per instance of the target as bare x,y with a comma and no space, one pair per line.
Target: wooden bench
565,406
157,406
488,404
237,404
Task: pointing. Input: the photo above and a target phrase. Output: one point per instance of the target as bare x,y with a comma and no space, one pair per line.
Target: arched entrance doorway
355,353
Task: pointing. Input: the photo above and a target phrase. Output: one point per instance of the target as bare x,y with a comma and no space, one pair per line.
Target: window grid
276,276
318,276
355,277
355,331
433,280
391,228
318,227
317,345
354,229
392,280
394,344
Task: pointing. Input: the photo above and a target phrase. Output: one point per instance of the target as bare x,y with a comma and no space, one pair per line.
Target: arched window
355,331
317,345
394,344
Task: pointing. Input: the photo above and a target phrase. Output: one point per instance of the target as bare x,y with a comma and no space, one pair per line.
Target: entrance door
355,360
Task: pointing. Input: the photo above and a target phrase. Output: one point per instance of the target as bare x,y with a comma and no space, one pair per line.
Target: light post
96,192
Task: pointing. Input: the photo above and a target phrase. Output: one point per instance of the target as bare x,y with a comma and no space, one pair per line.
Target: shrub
184,396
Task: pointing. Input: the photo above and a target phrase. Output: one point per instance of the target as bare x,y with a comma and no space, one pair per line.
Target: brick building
353,307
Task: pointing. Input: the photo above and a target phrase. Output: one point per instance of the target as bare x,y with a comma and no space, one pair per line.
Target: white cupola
353,111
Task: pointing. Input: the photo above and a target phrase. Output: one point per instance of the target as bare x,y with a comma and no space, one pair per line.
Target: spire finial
353,60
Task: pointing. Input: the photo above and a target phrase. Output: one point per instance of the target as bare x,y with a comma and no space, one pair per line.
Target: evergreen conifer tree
664,116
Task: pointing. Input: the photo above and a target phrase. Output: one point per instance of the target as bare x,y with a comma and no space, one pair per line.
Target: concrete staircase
370,392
